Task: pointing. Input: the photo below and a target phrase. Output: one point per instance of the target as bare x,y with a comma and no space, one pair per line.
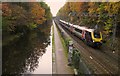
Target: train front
97,38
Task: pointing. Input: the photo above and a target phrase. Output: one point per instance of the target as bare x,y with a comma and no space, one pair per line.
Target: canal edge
54,70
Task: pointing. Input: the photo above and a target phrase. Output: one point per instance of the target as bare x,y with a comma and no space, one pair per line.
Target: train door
88,38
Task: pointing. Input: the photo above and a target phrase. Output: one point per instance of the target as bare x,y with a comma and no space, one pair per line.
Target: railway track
98,61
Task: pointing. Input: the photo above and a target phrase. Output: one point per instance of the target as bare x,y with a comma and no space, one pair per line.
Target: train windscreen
97,34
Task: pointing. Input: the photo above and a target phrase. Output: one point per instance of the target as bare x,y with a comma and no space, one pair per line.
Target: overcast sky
55,5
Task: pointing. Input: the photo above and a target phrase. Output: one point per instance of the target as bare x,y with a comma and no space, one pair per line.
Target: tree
48,14
37,13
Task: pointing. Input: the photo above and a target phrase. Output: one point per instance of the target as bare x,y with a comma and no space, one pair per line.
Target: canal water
30,54
45,61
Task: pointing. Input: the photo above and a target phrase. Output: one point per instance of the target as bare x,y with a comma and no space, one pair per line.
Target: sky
55,5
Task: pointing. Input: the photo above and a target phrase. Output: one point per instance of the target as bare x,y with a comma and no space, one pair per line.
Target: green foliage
48,14
32,25
22,17
76,58
108,24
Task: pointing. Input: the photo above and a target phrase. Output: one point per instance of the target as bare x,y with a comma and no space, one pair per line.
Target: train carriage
91,36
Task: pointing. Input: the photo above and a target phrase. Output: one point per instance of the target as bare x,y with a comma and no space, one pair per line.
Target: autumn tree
48,14
19,18
37,13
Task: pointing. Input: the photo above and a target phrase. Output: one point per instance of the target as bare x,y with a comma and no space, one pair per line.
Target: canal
30,54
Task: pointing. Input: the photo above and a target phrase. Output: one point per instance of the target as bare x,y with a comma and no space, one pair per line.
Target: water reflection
23,54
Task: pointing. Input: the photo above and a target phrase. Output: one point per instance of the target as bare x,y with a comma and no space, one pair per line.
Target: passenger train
91,36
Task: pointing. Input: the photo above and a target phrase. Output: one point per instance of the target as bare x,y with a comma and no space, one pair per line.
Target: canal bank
60,63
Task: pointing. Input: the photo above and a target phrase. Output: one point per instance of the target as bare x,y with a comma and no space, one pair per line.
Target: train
91,37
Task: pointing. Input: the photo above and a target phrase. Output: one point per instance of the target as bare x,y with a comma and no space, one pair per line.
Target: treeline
19,17
103,14
106,15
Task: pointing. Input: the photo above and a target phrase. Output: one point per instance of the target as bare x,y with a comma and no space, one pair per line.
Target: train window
97,34
78,30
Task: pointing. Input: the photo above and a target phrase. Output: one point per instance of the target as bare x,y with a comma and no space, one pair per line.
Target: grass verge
53,45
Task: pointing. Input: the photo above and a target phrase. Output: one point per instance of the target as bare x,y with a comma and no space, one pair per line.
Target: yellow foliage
92,8
78,6
38,13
